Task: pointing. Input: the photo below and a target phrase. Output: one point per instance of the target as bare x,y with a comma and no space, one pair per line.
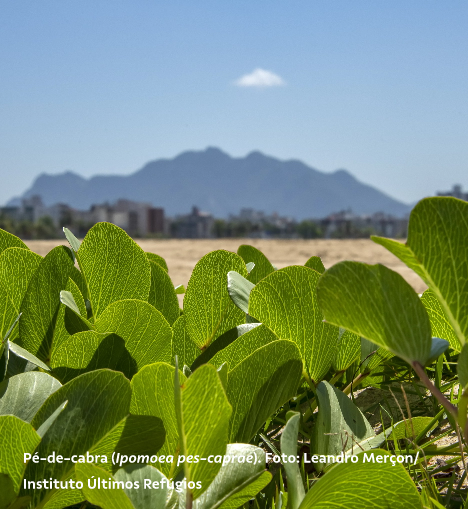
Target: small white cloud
260,78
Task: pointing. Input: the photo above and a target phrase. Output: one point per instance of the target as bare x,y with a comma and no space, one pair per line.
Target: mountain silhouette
222,185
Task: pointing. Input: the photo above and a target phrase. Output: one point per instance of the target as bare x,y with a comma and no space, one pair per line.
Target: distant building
456,192
196,225
346,224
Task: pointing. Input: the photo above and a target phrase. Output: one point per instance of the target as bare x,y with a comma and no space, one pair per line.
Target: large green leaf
377,303
256,336
118,495
22,395
262,268
18,438
315,262
203,412
153,395
162,294
286,301
289,438
153,257
182,346
260,385
238,481
86,351
42,300
208,308
95,420
373,485
114,267
436,250
17,266
440,325
147,335
348,350
339,426
8,240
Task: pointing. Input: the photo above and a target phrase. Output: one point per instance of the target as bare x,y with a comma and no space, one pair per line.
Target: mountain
221,184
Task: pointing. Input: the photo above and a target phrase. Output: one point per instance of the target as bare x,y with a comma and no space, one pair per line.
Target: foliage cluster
97,359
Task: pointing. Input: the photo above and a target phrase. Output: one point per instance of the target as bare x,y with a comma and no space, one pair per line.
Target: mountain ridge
222,185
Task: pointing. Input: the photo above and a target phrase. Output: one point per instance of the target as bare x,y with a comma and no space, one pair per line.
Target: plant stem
451,409
355,382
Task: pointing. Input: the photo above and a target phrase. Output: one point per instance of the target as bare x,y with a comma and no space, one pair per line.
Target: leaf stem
451,409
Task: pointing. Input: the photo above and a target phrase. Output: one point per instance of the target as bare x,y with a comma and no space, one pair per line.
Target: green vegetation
246,397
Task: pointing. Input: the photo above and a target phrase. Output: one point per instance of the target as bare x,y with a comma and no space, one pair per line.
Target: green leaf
68,321
8,240
208,308
256,336
94,420
179,289
114,266
182,346
224,341
72,240
372,355
286,301
364,484
23,395
203,412
42,300
296,492
101,495
7,490
162,294
153,257
250,266
462,367
236,482
147,335
339,426
44,427
17,351
119,496
239,290
315,262
440,325
86,351
18,438
378,304
348,350
153,395
16,269
263,267
436,250
411,428
260,385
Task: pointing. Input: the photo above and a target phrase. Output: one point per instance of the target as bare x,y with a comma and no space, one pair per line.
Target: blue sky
379,88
